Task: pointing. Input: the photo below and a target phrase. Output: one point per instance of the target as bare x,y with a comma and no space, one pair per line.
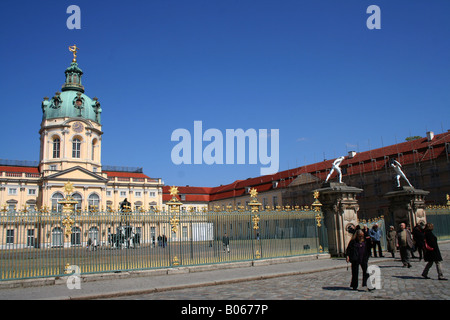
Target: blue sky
311,69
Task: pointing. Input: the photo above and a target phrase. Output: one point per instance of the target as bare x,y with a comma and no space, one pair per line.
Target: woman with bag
358,252
432,253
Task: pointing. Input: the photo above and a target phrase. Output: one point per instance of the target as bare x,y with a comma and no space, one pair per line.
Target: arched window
56,148
76,148
57,237
77,197
94,201
94,146
57,207
75,237
93,234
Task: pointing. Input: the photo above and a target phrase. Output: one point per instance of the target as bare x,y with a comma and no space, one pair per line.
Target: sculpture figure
398,169
74,49
335,166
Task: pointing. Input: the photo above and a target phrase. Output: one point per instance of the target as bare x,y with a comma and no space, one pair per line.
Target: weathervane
74,49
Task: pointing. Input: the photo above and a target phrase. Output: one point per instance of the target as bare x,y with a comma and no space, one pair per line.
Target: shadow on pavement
338,288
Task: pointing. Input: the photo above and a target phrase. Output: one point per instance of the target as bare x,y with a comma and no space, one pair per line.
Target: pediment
77,174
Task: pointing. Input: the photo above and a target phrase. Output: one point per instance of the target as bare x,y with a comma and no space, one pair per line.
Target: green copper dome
72,102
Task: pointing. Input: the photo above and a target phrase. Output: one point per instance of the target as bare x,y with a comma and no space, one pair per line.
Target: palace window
56,148
75,237
57,237
93,234
30,237
76,148
94,145
94,201
10,236
57,207
78,198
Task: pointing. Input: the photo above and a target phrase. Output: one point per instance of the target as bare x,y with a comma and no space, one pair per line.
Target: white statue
398,169
335,166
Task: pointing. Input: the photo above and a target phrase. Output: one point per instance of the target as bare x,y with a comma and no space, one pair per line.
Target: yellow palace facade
70,150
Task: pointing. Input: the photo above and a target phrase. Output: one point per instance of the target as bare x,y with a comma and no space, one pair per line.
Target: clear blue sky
311,69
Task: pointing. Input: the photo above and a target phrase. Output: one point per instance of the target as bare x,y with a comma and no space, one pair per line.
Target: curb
198,285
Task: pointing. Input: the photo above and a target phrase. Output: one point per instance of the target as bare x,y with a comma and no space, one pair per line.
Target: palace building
70,150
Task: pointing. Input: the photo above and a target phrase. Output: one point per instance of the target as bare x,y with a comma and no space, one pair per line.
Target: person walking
419,238
375,237
358,252
391,238
432,254
404,243
367,238
226,243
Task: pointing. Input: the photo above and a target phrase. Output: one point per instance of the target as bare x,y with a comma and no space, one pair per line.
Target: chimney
351,154
430,135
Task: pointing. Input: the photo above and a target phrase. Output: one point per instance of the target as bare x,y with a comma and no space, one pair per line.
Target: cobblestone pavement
397,283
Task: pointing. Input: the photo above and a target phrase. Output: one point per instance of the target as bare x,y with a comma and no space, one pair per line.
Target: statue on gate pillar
406,203
400,174
335,166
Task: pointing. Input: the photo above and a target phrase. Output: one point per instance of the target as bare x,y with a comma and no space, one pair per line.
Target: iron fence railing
439,216
45,244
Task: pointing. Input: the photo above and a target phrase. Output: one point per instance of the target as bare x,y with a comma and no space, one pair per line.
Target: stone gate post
340,207
406,204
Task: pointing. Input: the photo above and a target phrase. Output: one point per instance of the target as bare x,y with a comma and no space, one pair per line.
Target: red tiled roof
19,169
406,152
189,190
191,194
112,174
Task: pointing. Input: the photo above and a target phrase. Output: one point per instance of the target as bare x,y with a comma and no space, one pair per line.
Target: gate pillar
406,204
340,207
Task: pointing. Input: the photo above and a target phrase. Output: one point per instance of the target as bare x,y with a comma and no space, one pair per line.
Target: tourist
404,243
418,237
226,243
358,252
375,237
432,253
391,238
367,238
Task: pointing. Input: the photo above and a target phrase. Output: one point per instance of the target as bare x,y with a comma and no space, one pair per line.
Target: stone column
340,207
406,204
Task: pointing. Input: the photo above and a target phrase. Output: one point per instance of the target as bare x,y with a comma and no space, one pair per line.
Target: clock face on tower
77,127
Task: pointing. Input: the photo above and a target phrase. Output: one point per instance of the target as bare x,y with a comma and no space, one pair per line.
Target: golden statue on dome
74,49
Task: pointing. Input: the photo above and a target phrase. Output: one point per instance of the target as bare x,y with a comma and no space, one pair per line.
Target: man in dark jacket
432,254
